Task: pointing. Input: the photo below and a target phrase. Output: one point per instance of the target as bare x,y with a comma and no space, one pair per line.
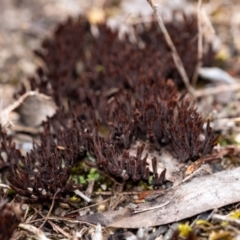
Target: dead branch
51,208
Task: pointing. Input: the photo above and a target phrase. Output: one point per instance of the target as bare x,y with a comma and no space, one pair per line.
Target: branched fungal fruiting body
46,169
121,87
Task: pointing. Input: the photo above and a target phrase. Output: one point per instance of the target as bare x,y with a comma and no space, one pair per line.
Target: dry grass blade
150,208
58,229
93,205
51,208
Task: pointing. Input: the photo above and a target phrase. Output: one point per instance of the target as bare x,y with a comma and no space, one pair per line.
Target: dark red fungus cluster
45,171
79,65
118,92
173,123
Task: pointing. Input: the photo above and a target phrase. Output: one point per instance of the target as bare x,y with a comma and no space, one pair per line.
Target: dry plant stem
117,196
200,44
89,189
208,23
26,213
51,208
54,226
176,58
38,234
70,221
58,229
107,193
151,208
60,219
192,175
116,200
93,205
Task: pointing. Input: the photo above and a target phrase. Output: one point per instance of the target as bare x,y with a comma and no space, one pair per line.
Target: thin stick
58,229
51,208
176,58
200,43
150,208
208,23
93,205
107,193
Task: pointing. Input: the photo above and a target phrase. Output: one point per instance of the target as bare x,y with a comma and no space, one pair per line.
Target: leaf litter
211,192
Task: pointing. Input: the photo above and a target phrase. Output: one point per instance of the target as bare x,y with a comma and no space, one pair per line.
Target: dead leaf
190,198
32,108
197,164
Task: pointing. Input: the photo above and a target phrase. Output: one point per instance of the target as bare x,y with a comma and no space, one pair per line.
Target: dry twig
176,58
58,229
89,206
150,208
51,208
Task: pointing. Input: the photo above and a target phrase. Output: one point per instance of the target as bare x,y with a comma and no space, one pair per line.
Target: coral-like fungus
10,217
122,86
76,60
121,164
46,169
165,121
